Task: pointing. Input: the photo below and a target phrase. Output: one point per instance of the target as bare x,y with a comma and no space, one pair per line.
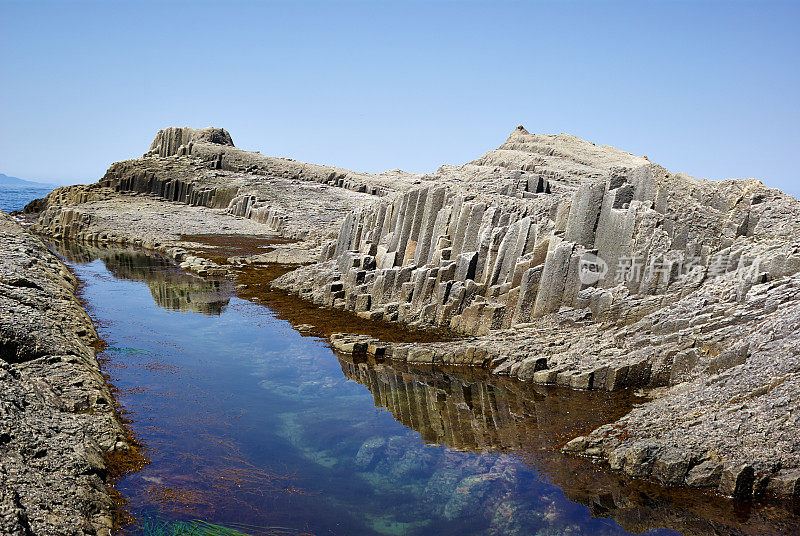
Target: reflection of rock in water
170,287
481,413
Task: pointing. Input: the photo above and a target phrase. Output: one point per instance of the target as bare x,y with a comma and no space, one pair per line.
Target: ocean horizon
12,198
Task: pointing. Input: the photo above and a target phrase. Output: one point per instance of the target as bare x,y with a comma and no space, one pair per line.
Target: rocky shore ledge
557,260
57,418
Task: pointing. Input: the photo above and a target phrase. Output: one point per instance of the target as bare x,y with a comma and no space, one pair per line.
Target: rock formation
558,261
446,255
202,168
180,141
57,420
485,414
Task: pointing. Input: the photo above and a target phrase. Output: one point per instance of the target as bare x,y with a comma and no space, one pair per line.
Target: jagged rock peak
169,140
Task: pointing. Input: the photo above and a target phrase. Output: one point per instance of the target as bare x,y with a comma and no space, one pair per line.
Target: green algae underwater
252,428
165,527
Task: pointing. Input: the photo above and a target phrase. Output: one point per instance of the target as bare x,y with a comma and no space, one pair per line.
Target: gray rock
705,475
737,481
699,304
56,415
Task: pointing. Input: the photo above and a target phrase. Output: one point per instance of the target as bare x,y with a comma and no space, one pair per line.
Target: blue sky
708,88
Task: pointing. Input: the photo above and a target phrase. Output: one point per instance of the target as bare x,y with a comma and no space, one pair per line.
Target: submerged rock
368,452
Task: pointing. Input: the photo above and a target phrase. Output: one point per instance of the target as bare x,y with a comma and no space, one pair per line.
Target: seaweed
155,526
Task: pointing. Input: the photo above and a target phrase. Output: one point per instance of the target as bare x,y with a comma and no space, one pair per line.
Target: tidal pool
249,425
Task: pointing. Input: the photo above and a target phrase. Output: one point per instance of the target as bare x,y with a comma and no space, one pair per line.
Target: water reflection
248,422
479,413
472,411
171,288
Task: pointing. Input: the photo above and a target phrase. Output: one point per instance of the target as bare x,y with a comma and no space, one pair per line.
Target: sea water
15,198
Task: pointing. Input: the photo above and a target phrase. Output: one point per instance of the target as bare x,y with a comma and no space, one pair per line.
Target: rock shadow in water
172,288
473,411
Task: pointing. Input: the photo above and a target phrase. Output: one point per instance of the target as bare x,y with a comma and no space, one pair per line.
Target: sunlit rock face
179,140
584,266
618,242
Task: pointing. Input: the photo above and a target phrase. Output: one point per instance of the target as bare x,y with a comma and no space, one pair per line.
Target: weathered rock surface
56,411
614,273
560,261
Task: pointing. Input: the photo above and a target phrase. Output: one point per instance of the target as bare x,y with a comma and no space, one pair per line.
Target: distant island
5,180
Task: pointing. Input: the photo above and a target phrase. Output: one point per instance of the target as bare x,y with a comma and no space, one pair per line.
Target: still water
250,425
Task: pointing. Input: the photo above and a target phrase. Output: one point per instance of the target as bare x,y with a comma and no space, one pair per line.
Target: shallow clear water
248,423
13,198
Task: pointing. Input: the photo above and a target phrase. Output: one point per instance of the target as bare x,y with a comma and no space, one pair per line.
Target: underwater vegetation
157,526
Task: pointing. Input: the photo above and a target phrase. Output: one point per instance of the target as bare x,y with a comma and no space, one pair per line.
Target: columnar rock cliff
618,246
177,140
602,271
558,261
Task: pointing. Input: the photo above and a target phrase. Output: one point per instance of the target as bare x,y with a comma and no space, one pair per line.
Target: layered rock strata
57,420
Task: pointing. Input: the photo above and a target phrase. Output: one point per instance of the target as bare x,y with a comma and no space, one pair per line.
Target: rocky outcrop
558,157
249,206
57,420
558,261
601,277
68,196
180,140
182,182
202,168
480,413
214,147
617,248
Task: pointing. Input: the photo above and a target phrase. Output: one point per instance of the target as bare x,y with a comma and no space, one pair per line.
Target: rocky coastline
557,261
59,430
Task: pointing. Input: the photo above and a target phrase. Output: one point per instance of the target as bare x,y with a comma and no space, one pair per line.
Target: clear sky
708,88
